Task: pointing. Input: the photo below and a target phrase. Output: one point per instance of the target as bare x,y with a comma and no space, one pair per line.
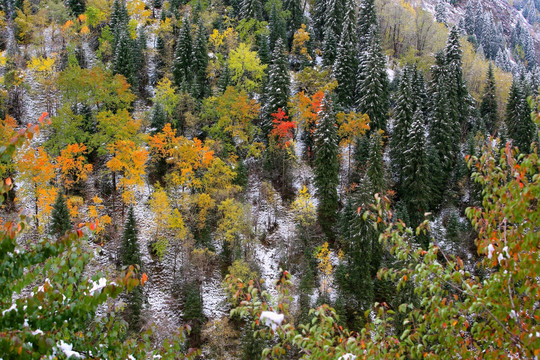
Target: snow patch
272,319
100,284
67,349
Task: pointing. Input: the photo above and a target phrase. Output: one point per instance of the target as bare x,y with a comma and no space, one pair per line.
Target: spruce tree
141,62
488,107
521,129
375,171
119,21
251,9
77,7
278,86
403,114
415,187
264,49
60,221
418,87
193,312
372,92
329,47
200,63
158,118
129,249
367,20
335,9
440,12
296,18
160,57
124,59
183,57
326,167
318,15
277,25
346,64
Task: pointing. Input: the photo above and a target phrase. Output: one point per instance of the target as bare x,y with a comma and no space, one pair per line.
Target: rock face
503,12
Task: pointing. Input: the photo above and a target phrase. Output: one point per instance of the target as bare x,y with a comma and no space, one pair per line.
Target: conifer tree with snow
278,86
296,18
440,12
367,20
158,117
335,12
141,62
326,167
201,87
488,107
403,114
119,21
372,91
183,57
277,25
329,47
160,57
318,14
375,171
129,249
415,189
521,129
124,59
419,94
60,219
264,49
251,9
346,64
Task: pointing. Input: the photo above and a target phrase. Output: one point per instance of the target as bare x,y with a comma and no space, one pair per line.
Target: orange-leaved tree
73,165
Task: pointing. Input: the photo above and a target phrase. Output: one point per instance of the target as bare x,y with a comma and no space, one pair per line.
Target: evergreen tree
403,114
141,62
277,25
326,167
488,107
278,86
183,57
264,49
160,57
200,63
346,64
60,221
193,312
129,249
440,12
329,47
158,118
373,97
318,14
418,87
375,171
119,21
251,9
335,9
415,188
521,129
224,79
124,60
296,17
157,4
77,7
367,20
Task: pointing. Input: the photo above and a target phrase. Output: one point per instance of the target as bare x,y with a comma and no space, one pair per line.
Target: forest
269,179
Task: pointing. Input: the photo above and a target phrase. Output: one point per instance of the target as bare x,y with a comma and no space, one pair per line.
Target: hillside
226,179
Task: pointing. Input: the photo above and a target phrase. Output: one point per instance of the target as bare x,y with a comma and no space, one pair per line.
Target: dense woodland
245,179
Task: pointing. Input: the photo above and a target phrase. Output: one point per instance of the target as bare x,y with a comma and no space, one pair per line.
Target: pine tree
251,9
346,64
277,25
264,49
124,60
415,188
335,9
375,171
193,312
141,62
419,95
77,7
129,249
521,129
488,107
119,21
367,20
326,167
296,18
224,79
329,47
200,63
60,220
372,92
160,57
440,12
402,123
183,57
278,86
318,14
158,118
